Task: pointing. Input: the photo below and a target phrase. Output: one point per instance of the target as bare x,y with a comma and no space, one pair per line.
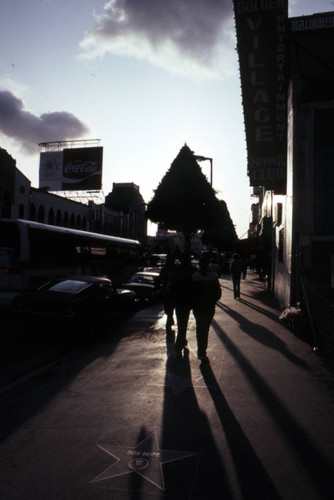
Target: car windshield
143,279
69,286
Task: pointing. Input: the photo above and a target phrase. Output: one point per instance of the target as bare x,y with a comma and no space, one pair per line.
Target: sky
143,76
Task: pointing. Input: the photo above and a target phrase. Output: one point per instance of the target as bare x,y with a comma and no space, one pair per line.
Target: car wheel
92,326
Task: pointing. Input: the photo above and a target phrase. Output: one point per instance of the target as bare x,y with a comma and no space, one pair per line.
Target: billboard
73,169
261,28
51,170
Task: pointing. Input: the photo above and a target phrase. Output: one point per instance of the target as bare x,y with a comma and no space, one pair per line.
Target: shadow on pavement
186,427
318,467
253,479
262,335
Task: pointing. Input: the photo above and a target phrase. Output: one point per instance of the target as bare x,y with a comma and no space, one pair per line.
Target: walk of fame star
145,459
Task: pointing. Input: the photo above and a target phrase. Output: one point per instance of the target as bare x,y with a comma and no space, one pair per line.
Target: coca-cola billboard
82,169
75,169
51,170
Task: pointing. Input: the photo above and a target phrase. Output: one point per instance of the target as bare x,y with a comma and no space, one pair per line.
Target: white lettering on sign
87,167
263,114
269,161
267,174
258,5
261,32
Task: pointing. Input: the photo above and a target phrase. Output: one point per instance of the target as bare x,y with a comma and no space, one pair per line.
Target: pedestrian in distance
179,291
168,304
236,270
206,292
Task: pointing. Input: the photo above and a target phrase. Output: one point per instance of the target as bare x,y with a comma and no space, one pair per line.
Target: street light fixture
203,158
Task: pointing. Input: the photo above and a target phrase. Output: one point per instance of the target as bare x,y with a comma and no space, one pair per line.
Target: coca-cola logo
88,167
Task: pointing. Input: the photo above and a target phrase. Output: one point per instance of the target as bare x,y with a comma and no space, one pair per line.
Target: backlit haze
144,76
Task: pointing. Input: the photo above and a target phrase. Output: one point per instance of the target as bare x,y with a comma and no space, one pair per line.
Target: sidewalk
131,421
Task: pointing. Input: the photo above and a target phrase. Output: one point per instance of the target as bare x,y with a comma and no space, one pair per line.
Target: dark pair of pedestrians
185,291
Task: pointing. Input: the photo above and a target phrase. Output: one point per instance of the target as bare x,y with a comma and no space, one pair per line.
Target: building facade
127,200
295,222
303,229
19,200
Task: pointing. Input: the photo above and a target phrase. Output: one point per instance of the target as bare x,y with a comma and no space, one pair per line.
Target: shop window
278,214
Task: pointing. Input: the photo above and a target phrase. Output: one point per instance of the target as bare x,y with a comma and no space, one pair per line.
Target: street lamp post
203,158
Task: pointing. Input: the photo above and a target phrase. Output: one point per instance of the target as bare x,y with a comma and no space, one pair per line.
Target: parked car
76,301
146,285
194,264
158,260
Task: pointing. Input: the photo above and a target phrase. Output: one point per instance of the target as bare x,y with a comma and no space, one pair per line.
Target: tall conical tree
224,234
184,200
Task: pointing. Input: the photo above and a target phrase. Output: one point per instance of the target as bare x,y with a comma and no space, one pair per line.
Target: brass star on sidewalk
145,459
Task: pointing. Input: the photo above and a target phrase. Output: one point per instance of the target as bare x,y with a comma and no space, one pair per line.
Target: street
123,418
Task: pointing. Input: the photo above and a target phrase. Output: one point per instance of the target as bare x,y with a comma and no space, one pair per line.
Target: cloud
181,36
29,130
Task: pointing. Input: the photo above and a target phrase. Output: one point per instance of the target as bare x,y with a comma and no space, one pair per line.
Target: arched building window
32,211
41,214
84,223
72,221
6,206
51,218
78,222
58,218
66,219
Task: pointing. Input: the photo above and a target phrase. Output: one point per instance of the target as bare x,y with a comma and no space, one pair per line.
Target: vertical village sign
261,27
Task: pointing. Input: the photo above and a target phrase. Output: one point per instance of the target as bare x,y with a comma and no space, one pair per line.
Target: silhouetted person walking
164,278
206,292
179,290
236,270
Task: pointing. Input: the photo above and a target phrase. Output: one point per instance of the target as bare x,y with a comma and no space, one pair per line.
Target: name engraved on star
150,454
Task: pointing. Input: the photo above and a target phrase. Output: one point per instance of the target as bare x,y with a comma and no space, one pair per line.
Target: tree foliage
184,200
224,235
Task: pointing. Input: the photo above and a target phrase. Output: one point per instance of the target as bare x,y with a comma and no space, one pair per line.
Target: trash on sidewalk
291,313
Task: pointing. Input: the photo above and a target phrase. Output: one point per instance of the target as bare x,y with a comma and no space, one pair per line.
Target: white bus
32,253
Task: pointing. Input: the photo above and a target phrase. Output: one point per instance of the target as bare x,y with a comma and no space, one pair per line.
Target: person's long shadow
253,479
318,467
259,309
262,335
136,480
186,427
